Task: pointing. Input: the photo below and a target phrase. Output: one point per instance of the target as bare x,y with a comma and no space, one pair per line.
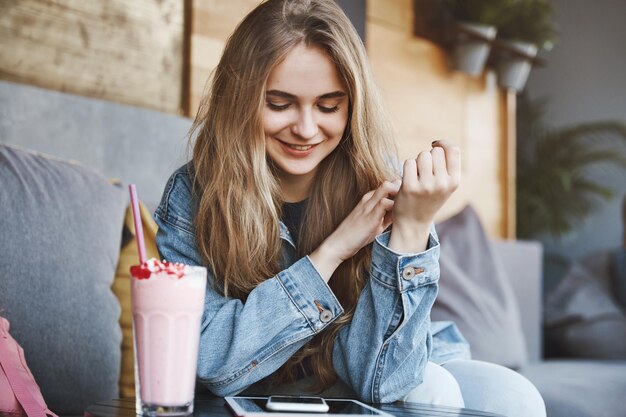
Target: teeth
300,148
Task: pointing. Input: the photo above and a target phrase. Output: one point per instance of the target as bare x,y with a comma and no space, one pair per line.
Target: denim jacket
380,354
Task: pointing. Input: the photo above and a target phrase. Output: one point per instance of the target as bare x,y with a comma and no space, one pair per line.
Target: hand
427,182
371,216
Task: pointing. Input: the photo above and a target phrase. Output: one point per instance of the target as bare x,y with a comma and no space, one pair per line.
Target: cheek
339,124
267,122
274,122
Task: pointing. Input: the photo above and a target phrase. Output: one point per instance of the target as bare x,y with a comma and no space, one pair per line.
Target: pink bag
19,393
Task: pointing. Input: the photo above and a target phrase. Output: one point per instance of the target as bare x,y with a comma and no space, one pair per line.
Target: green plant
478,11
516,20
528,21
554,190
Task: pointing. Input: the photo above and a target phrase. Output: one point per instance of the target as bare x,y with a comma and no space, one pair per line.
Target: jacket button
325,316
408,273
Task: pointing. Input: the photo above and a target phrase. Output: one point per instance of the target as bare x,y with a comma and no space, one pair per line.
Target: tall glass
167,304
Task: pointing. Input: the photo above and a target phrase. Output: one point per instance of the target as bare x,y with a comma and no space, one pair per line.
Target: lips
297,150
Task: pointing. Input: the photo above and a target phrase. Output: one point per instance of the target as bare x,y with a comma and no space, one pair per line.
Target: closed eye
277,107
325,109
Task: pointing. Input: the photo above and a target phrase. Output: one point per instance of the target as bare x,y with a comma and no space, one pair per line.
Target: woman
323,260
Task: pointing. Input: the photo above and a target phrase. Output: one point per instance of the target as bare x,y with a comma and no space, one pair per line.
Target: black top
292,217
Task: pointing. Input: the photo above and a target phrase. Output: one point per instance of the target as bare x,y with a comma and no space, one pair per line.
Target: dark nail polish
434,142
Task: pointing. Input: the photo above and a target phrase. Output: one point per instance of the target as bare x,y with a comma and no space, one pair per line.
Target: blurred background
582,88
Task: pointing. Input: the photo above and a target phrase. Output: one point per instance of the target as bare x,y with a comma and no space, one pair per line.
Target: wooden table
216,407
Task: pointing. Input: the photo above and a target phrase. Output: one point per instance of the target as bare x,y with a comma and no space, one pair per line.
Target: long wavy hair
239,197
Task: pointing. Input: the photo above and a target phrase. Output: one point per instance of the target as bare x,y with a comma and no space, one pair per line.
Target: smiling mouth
300,148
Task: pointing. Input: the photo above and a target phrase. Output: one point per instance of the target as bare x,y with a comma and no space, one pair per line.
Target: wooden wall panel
429,101
212,23
124,51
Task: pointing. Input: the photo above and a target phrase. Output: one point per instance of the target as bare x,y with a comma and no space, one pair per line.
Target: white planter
514,64
472,47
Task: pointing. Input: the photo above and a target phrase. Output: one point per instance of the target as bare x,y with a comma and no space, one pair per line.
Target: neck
295,188
295,194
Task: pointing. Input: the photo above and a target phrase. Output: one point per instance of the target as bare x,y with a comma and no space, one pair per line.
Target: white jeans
480,386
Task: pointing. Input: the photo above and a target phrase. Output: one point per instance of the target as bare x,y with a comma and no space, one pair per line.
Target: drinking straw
141,246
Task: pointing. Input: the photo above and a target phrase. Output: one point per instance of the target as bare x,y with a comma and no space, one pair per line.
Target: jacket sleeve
382,353
242,343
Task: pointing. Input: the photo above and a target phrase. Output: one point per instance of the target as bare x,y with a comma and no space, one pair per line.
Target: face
305,115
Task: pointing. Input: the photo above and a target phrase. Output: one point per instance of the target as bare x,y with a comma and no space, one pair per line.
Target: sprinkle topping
154,266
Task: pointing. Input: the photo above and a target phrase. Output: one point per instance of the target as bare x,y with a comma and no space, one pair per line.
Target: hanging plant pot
514,62
472,47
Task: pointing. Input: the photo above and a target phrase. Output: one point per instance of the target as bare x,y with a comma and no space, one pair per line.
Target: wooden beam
186,73
508,158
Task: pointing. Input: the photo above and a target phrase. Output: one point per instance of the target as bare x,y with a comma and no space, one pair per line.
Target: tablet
255,407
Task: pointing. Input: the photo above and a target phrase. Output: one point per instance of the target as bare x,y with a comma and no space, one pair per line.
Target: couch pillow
61,227
582,317
129,256
476,294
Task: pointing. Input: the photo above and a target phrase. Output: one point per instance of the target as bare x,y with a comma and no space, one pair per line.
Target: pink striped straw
141,246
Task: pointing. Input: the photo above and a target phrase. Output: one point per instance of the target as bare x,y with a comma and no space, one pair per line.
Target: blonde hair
239,199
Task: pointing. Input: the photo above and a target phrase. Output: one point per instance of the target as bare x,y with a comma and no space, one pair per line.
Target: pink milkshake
167,305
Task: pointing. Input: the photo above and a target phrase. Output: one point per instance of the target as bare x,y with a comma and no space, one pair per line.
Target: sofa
66,243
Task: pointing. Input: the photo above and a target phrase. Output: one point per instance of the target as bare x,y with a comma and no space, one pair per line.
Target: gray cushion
60,229
522,261
133,144
581,310
575,388
476,294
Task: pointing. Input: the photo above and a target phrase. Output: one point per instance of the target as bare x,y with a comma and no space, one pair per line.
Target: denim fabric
380,355
496,389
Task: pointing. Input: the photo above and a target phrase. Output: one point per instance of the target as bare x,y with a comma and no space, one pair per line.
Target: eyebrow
285,95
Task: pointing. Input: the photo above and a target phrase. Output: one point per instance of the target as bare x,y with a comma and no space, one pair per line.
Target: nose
305,126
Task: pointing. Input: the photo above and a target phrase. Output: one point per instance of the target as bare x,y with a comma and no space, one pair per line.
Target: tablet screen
350,407
339,407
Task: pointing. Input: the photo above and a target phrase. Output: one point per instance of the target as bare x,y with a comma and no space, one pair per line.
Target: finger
386,204
439,162
391,187
387,220
386,189
453,158
382,206
409,174
386,207
394,188
397,182
424,166
367,196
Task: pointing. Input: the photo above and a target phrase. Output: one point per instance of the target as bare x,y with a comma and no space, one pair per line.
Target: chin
297,172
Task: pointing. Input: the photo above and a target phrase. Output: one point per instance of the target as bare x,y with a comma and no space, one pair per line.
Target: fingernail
434,142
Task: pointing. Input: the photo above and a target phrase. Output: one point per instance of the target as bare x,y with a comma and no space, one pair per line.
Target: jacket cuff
310,294
405,271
